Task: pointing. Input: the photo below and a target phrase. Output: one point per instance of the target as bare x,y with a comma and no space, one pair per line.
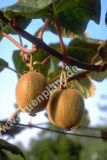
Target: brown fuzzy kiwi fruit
65,108
29,91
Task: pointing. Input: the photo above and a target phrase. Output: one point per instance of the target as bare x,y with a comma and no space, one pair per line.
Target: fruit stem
63,73
61,43
63,79
31,62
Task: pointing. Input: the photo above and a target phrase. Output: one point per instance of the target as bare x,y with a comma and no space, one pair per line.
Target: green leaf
85,120
11,148
18,62
75,15
83,49
30,9
3,64
84,85
3,156
39,56
55,68
17,19
98,76
6,29
104,134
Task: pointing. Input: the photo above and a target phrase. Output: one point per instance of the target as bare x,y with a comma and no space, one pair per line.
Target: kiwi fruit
65,108
29,92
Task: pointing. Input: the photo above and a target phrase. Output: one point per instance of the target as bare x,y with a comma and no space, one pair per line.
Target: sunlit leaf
29,9
85,120
84,85
98,76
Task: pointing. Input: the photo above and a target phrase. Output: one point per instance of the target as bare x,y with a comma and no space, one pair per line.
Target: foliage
81,12
3,64
5,146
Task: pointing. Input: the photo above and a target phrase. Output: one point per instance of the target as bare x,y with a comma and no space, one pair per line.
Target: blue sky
8,79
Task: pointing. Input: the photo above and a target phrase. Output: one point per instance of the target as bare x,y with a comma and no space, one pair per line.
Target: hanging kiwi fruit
66,106
28,89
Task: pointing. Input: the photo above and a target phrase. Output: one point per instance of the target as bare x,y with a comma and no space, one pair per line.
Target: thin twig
61,132
40,35
46,60
14,70
22,54
39,124
92,128
22,48
58,131
48,123
20,39
17,111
